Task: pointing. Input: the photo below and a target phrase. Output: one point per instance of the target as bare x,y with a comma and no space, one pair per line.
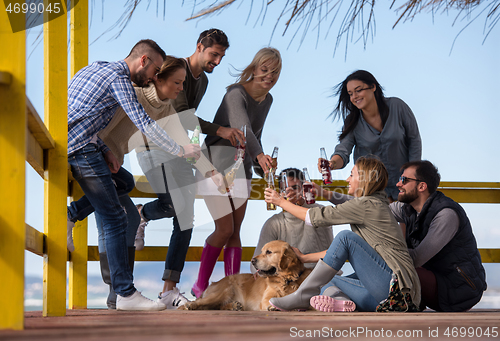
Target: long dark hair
347,110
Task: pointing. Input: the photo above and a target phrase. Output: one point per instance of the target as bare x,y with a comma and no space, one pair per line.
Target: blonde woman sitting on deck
375,248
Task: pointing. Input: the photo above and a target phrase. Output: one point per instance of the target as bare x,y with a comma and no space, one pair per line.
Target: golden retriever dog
280,274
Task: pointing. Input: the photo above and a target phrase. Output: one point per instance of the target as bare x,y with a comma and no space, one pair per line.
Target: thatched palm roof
306,14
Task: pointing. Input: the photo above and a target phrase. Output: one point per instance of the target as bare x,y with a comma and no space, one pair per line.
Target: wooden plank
35,240
158,254
56,180
490,255
79,51
35,154
37,128
13,172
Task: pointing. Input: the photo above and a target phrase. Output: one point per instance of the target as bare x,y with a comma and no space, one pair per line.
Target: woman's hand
271,196
217,178
321,192
112,161
299,254
265,162
190,150
232,134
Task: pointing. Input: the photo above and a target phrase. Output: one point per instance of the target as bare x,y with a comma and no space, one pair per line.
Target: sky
452,95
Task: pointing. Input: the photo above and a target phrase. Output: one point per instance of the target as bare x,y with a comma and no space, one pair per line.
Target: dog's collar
288,281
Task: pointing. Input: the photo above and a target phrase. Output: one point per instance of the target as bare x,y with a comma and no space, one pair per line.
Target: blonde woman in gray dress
246,103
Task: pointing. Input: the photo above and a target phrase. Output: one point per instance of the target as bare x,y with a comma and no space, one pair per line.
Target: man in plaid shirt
94,94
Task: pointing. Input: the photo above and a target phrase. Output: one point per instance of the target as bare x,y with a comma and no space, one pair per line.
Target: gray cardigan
238,108
398,143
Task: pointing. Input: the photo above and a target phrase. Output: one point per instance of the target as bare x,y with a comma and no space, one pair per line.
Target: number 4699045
33,8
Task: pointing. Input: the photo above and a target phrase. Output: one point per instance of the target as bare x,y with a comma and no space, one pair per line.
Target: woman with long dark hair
374,125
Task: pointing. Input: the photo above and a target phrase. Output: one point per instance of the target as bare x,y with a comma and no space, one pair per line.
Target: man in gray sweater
284,226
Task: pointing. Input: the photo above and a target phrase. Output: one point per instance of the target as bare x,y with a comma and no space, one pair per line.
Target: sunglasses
405,179
217,32
157,68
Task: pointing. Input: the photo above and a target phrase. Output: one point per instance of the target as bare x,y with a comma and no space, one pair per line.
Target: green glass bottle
194,139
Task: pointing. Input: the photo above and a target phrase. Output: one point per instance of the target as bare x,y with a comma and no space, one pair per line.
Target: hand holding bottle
190,150
272,197
265,162
218,179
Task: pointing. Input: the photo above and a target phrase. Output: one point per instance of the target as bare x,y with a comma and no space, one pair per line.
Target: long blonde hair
373,175
264,55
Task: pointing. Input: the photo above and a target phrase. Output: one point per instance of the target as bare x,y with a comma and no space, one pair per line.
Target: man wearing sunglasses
440,241
284,226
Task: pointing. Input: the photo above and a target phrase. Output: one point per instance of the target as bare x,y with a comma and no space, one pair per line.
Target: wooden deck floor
107,325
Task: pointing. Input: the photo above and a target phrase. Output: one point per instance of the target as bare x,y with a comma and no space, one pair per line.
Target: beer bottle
194,139
308,194
326,173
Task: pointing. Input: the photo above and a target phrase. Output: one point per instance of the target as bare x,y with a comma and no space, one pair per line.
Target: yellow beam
12,170
79,51
5,78
158,254
56,178
78,262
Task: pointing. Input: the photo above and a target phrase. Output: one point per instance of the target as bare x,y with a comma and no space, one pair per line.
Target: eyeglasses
156,66
405,179
357,92
218,32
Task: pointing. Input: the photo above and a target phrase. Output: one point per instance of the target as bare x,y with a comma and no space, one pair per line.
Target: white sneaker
137,302
172,299
69,238
139,237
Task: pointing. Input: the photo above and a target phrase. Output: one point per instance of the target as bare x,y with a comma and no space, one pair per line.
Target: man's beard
408,197
140,78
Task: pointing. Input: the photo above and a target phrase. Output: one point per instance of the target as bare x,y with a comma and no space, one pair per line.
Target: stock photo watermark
365,332
24,15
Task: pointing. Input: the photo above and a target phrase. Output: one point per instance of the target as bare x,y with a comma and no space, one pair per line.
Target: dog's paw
182,307
237,306
189,306
272,308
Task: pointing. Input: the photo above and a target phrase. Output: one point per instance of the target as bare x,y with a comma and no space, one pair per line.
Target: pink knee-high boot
209,257
232,260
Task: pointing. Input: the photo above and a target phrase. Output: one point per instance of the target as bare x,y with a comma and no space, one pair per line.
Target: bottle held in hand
270,184
283,184
308,186
326,173
240,149
195,139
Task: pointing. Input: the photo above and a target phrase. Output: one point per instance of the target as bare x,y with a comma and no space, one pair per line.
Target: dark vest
460,275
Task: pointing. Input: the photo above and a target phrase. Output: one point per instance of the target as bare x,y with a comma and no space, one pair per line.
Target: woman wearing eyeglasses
374,125
384,277
246,103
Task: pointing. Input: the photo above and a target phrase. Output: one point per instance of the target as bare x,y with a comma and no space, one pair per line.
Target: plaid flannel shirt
94,94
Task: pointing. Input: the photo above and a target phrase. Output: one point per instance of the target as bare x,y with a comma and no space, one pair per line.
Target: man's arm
124,93
442,229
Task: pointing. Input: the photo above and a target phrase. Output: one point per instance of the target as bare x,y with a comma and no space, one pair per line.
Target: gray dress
398,143
238,108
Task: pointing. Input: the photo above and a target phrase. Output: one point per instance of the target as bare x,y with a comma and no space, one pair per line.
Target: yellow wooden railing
24,137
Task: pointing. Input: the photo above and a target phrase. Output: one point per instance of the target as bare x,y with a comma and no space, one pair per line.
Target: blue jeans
133,221
94,177
124,183
372,276
175,185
